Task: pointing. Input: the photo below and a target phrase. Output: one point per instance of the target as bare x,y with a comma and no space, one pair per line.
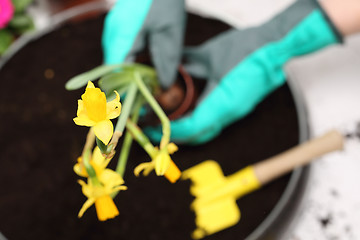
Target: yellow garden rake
215,194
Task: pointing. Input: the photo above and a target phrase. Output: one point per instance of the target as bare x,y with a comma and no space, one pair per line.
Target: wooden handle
300,155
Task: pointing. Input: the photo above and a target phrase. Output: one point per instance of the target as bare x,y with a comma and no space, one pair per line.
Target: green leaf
148,75
21,23
21,5
101,145
143,70
82,79
6,40
114,81
121,91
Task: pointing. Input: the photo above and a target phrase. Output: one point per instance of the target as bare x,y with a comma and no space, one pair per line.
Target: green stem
120,168
124,154
157,109
125,149
126,109
89,169
140,137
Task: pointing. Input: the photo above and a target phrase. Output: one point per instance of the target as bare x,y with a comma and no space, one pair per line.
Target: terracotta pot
179,98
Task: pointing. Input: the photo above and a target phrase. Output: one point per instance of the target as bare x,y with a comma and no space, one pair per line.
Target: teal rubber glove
246,66
133,24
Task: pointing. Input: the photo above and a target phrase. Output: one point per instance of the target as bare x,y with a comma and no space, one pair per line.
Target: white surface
330,81
239,13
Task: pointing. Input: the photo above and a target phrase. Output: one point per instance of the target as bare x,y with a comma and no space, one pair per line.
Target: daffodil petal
110,178
81,182
119,188
146,166
87,189
80,110
84,121
90,85
82,115
106,208
148,170
79,169
98,159
104,130
113,108
171,147
162,163
85,206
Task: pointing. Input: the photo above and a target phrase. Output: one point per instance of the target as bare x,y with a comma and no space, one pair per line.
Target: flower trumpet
98,193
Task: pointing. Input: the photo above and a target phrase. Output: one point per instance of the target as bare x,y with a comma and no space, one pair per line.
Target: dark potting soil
40,197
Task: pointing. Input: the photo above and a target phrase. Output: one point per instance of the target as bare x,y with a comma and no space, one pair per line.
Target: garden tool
215,194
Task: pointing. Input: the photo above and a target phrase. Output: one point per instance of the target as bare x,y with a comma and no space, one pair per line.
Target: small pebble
49,73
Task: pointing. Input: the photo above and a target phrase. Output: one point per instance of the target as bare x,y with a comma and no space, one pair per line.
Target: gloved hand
131,23
245,66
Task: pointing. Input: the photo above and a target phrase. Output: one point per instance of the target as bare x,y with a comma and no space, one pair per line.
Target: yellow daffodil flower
162,163
94,111
99,194
97,161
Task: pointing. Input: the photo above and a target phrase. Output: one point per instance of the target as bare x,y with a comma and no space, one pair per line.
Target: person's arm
344,14
247,65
